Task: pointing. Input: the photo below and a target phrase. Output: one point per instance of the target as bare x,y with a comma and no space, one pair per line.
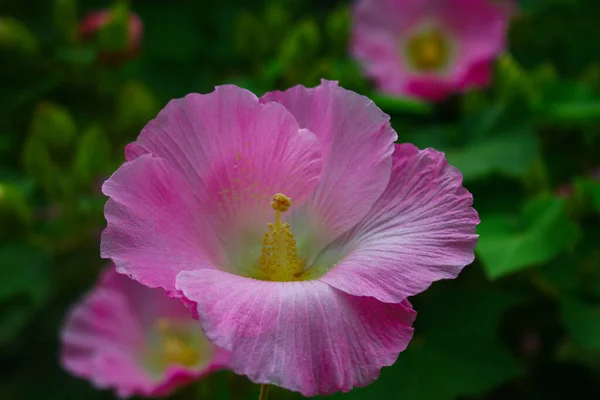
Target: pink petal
422,229
233,154
106,333
303,336
155,227
357,142
480,28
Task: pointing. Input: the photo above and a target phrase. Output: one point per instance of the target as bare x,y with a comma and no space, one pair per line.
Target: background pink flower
428,48
294,224
135,340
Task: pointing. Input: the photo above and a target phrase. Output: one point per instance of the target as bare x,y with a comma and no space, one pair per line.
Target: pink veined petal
155,225
480,28
303,336
232,154
105,335
101,338
421,230
357,142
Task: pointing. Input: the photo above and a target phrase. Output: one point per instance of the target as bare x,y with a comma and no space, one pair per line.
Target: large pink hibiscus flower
293,224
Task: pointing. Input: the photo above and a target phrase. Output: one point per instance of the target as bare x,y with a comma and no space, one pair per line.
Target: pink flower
93,22
428,48
296,226
135,339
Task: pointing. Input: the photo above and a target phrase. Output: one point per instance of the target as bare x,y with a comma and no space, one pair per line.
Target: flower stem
264,392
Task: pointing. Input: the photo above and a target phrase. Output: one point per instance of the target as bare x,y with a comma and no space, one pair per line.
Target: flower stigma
428,50
279,259
174,348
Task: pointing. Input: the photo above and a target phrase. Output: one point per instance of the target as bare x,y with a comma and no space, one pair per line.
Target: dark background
522,322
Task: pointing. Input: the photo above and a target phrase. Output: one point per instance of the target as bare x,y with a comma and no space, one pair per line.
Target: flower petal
422,229
303,336
357,142
234,153
155,226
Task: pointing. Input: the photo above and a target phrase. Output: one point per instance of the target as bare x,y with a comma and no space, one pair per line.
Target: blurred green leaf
456,351
136,105
26,270
53,125
65,18
13,319
15,213
405,105
92,156
582,321
507,244
15,36
510,154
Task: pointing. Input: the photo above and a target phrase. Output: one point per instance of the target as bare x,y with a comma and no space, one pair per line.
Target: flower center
279,259
174,348
428,50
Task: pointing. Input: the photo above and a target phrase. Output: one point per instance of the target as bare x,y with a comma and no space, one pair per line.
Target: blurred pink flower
296,226
428,48
135,340
93,22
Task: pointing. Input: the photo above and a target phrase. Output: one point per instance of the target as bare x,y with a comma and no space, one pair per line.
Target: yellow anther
279,259
428,51
281,202
174,348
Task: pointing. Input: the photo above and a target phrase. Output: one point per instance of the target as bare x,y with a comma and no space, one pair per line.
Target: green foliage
542,231
526,147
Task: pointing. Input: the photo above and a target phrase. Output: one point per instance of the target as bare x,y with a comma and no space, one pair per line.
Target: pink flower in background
294,224
135,340
93,22
428,48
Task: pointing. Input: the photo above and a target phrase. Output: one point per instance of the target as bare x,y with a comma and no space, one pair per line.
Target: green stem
264,392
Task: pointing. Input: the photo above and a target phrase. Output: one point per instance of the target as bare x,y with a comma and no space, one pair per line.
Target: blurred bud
136,105
92,157
117,32
53,125
15,36
15,214
65,18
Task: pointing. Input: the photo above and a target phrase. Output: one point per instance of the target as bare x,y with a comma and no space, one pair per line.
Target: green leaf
582,321
13,319
54,125
26,270
406,105
15,36
456,351
543,231
93,155
65,18
511,155
136,105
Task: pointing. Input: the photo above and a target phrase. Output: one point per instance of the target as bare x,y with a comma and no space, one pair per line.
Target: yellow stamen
174,348
279,259
428,51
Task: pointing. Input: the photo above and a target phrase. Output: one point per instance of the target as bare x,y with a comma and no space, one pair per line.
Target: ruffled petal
357,142
303,336
234,153
156,227
422,229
